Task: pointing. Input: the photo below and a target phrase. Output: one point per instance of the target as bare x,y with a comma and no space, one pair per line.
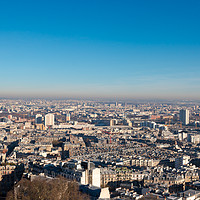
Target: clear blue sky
100,48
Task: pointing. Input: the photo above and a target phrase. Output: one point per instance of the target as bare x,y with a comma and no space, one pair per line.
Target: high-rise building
49,119
184,116
67,117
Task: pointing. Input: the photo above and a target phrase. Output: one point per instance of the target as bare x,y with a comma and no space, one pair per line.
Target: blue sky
98,48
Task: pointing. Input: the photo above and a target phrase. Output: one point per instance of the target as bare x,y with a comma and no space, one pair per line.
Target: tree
46,189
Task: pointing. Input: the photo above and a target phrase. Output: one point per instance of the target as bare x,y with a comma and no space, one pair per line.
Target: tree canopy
46,189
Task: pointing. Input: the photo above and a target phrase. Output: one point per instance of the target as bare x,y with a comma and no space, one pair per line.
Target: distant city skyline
100,49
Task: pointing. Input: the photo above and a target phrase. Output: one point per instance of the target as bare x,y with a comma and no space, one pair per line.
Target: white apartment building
49,119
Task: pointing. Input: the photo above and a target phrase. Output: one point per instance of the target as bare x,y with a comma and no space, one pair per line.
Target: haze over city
100,49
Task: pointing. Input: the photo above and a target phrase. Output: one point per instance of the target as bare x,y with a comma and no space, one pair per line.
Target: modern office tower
38,119
184,116
67,117
49,119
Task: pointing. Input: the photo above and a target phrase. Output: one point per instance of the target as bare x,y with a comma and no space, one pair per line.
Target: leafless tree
46,189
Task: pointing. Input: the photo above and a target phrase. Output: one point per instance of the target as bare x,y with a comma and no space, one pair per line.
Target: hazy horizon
100,50
100,99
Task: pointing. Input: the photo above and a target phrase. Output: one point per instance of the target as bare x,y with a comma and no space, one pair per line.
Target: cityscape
114,150
100,100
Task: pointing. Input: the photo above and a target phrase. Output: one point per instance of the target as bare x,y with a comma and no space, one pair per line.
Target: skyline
99,49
